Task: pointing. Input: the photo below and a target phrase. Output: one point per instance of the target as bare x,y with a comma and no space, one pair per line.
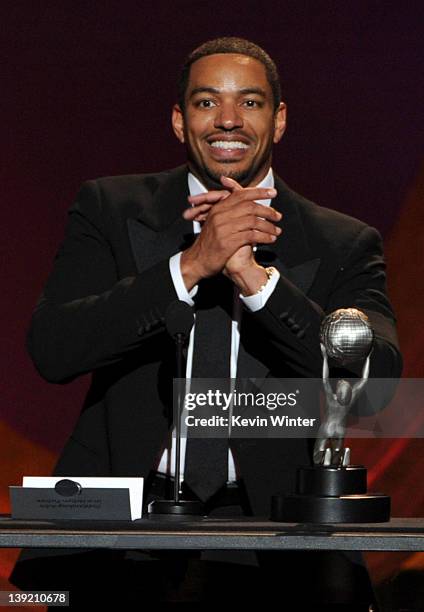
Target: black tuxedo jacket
103,308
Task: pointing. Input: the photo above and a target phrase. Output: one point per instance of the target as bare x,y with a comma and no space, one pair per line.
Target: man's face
229,124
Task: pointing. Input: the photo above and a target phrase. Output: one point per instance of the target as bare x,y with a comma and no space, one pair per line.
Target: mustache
229,135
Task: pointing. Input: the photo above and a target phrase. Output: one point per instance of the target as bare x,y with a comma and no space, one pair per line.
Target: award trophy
333,490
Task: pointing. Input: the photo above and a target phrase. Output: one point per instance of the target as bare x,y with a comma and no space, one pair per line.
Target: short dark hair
230,44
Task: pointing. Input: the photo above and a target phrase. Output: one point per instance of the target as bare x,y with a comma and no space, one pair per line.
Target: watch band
269,272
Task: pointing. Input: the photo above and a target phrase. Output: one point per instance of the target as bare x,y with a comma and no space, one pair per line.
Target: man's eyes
207,103
253,103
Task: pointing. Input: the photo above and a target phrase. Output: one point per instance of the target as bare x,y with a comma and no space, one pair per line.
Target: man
264,264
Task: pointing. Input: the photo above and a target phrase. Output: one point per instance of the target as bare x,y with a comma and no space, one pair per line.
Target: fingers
256,223
253,237
201,218
202,204
246,208
231,183
256,210
192,214
209,197
253,193
238,195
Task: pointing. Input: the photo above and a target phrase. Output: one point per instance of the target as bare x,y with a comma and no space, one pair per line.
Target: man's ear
280,122
178,122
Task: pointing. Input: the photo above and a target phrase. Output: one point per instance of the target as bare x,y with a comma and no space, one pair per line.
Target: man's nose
228,117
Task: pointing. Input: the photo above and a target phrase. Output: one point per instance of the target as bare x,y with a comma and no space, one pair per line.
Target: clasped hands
232,224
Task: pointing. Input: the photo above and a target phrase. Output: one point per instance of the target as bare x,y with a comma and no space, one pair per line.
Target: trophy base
331,481
373,508
164,509
329,494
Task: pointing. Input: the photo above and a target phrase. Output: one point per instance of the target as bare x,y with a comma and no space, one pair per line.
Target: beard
241,176
211,177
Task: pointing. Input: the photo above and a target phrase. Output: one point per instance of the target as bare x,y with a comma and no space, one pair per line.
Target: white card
135,486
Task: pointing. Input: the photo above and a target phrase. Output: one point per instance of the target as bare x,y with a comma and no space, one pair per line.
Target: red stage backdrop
87,90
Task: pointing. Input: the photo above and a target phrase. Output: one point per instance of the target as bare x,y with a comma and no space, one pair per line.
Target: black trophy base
373,508
331,481
328,494
170,510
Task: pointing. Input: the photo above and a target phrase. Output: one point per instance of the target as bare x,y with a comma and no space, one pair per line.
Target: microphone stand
165,509
179,341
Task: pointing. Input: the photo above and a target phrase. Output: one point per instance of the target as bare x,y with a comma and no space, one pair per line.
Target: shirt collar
196,187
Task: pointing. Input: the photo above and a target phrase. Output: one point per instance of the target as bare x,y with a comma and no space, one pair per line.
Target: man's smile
228,147
225,144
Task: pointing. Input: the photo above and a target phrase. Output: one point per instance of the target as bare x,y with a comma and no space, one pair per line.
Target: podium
400,534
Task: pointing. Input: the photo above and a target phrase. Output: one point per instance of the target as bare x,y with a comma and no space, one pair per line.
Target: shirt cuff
258,300
177,279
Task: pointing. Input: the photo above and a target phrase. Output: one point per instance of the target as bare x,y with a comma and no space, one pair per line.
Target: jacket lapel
292,257
291,253
159,230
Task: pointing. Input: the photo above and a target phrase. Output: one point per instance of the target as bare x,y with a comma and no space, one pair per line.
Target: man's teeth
224,144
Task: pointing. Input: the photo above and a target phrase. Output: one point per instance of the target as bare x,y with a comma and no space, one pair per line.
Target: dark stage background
87,89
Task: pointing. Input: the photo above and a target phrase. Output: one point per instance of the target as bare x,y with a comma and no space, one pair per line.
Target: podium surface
400,534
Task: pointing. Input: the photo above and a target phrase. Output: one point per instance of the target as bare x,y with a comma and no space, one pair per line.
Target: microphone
179,319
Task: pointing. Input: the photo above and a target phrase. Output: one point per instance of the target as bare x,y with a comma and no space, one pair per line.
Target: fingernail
279,230
272,192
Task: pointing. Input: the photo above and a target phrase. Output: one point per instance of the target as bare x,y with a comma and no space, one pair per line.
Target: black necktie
206,463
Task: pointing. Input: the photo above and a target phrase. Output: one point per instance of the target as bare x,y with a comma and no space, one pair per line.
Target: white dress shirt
252,302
